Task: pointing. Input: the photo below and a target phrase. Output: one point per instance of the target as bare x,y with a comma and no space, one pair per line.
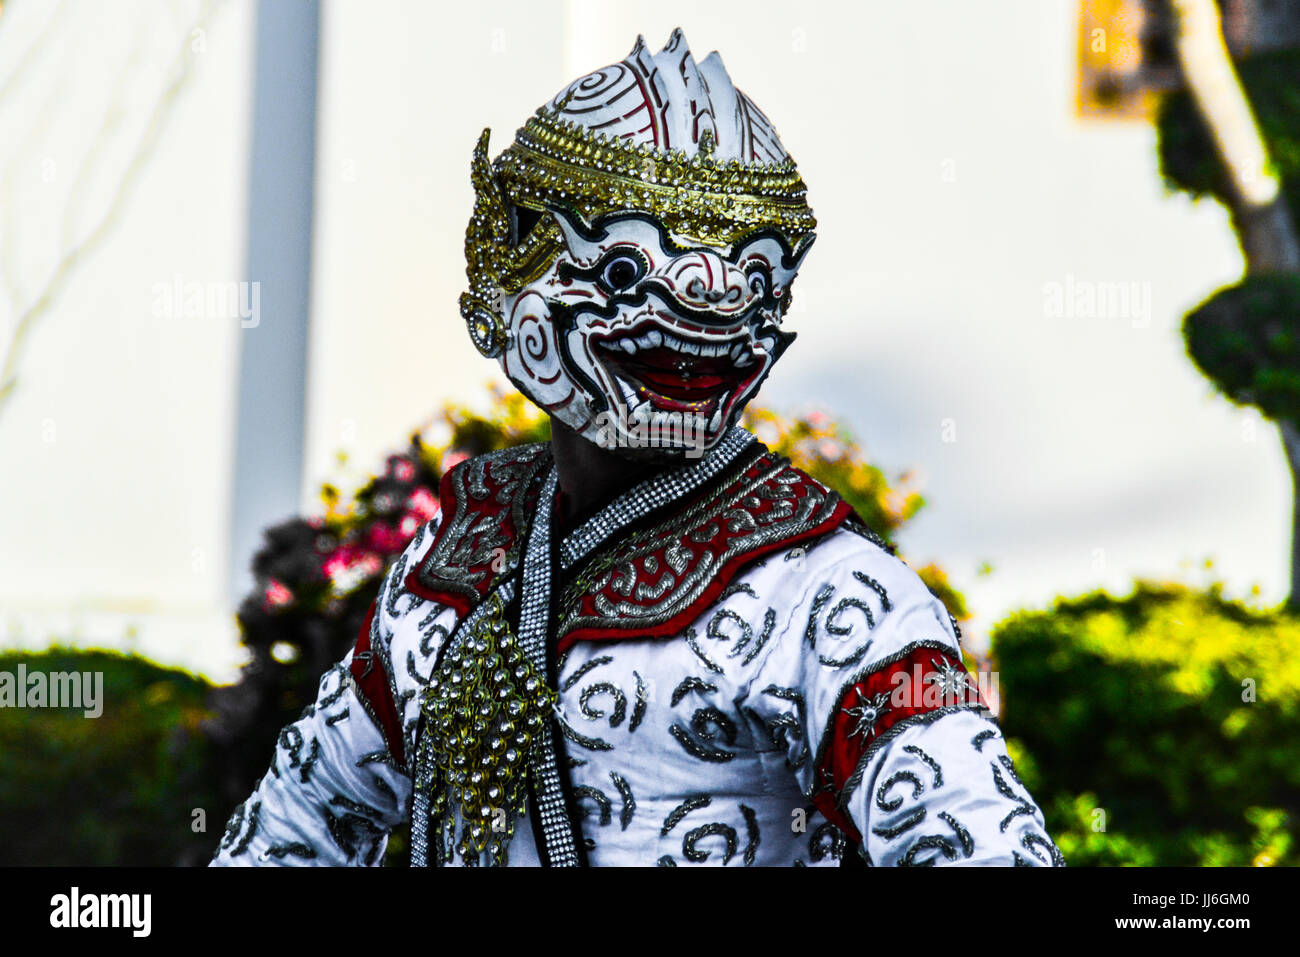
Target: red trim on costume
446,509
788,490
487,508
460,602
794,485
911,686
721,580
372,680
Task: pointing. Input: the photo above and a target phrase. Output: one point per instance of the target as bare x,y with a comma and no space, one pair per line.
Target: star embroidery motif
867,712
950,679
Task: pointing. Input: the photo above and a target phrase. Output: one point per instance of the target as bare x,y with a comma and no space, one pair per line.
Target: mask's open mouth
696,376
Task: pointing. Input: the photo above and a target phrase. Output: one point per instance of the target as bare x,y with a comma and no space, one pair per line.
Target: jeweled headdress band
558,162
712,202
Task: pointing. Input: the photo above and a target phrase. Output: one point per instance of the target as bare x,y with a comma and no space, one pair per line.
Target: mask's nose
704,281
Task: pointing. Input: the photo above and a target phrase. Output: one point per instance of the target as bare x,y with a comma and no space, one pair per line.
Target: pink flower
386,538
422,504
276,595
452,459
402,469
350,562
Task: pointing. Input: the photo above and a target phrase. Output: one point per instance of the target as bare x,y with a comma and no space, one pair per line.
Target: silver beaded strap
534,622
648,495
535,605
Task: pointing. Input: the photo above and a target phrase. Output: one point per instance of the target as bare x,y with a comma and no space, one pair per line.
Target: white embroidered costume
717,744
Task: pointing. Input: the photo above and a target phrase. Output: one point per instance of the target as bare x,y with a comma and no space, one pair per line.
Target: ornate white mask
631,254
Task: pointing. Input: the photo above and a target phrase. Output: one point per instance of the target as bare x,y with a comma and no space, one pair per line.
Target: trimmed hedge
1141,708
121,788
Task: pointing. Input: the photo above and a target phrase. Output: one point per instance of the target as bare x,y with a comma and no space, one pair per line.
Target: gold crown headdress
697,154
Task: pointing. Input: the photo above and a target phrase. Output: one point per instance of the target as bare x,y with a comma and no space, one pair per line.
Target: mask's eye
760,282
622,269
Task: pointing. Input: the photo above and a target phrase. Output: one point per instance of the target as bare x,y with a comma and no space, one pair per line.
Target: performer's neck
590,476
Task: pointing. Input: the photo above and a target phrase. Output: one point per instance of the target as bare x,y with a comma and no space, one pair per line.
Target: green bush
1170,716
118,789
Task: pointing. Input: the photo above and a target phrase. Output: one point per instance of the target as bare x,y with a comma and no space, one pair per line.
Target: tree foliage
1168,717
1187,156
1245,338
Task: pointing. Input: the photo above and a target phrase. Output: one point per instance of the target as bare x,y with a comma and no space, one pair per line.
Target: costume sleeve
338,782
896,746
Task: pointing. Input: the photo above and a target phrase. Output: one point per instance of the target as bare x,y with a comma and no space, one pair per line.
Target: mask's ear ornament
489,231
497,264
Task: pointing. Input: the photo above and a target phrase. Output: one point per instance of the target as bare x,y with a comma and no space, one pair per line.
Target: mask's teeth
670,341
716,422
629,395
661,338
641,413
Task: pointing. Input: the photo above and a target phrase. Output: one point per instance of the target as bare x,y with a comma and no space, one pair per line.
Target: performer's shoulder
475,465
852,539
854,552
491,481
850,530
869,539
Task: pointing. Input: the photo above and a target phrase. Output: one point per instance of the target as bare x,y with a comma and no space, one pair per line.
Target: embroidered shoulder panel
486,504
918,685
657,580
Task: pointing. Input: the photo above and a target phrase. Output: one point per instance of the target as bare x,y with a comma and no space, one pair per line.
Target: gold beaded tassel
484,709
